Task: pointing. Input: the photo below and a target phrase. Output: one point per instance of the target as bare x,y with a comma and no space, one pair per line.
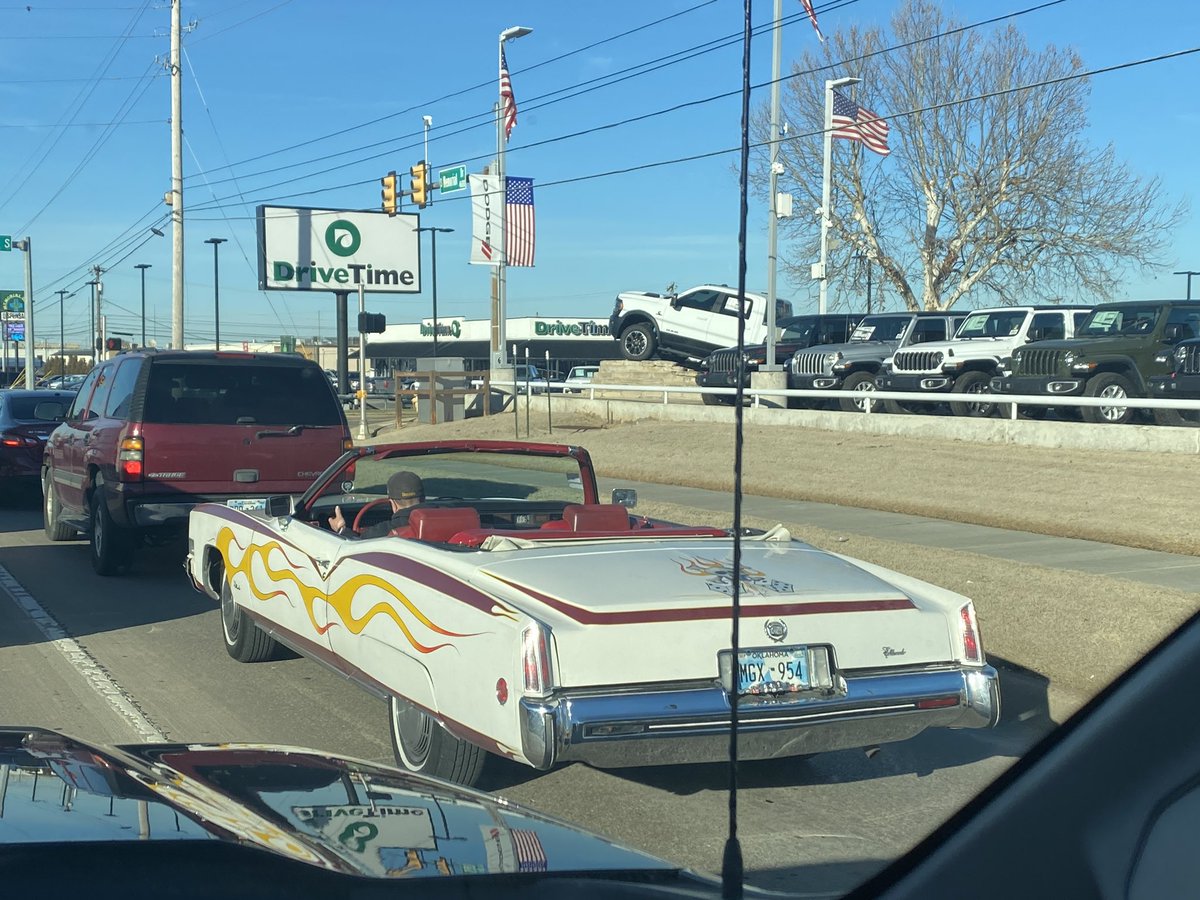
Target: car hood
860,349
331,812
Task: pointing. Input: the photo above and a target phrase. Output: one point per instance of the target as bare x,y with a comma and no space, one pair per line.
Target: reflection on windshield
1138,319
880,328
991,325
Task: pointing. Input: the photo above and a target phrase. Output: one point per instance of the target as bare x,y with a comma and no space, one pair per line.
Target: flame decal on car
340,600
719,577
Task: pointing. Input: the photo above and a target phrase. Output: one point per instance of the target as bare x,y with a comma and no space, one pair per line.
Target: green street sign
452,179
5,242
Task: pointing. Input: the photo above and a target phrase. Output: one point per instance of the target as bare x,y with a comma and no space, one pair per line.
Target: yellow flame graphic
339,601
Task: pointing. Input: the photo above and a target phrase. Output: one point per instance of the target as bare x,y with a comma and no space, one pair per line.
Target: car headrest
596,517
439,524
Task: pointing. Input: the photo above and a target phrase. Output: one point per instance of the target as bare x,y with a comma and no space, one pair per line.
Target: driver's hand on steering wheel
337,522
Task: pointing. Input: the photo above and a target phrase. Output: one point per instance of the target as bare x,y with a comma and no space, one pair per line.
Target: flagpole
819,270
773,214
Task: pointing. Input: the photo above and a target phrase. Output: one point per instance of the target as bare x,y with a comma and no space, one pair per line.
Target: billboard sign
303,249
14,331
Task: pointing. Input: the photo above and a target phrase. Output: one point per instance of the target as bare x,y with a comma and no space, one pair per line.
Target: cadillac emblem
776,630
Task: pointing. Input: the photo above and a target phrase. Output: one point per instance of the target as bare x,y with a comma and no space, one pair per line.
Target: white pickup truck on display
978,352
691,324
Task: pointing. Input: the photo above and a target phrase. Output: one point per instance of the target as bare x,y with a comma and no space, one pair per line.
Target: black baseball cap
405,486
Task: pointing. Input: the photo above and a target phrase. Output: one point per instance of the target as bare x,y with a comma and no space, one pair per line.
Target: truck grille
918,361
1038,362
723,361
809,364
1190,364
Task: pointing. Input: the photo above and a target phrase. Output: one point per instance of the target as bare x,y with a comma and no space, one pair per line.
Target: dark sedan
26,420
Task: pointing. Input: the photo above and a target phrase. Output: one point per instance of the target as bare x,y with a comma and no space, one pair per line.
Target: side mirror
1037,334
624,497
1173,333
279,505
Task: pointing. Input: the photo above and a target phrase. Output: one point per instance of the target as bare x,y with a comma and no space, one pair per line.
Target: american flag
530,855
506,97
855,123
518,221
812,17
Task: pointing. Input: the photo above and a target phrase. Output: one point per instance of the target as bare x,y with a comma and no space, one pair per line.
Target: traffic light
371,323
418,184
113,344
390,194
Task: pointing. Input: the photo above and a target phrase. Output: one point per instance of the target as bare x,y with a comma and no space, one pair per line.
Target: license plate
248,504
776,670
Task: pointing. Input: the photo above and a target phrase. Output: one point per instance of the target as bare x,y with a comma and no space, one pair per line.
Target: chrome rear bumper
691,725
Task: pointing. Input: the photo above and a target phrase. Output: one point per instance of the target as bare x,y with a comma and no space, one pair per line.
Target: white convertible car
518,615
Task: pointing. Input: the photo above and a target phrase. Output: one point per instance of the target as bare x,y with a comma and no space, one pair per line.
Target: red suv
153,433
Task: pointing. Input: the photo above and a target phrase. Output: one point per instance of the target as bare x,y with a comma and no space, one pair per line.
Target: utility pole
176,179
30,347
97,320
143,267
62,339
773,215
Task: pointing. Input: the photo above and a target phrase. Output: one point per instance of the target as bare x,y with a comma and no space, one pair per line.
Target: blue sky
351,82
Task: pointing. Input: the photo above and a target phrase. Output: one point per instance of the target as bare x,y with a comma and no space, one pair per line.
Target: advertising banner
487,218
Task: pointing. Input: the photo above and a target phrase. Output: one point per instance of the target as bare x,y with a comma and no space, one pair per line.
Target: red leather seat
439,524
596,517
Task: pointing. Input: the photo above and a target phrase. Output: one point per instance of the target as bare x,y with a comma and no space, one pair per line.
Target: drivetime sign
337,250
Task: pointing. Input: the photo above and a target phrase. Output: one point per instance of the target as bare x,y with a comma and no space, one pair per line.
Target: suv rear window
228,392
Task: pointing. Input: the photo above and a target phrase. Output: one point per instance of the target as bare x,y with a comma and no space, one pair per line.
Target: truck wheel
1178,418
973,383
1110,386
716,400
111,546
244,640
859,382
55,530
637,342
423,746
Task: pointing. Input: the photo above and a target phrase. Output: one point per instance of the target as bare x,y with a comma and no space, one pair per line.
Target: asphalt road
140,657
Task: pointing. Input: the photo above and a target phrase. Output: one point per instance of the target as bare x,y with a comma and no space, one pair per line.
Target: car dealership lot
821,823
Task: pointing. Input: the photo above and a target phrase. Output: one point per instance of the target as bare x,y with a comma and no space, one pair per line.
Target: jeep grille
1038,362
723,361
918,361
1190,364
809,363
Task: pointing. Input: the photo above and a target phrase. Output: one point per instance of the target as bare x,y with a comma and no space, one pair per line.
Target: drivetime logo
343,240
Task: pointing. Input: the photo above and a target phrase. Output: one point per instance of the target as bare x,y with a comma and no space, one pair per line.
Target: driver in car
405,490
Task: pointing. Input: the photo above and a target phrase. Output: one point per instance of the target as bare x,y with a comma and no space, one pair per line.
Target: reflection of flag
530,855
812,17
518,221
852,122
506,97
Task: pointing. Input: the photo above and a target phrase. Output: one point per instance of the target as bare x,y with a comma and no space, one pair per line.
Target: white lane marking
81,661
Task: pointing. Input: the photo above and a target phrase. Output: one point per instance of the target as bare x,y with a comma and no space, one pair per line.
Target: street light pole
216,243
826,176
433,233
1189,281
501,311
62,339
143,267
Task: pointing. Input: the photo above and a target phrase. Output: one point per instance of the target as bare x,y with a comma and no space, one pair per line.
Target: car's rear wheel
244,640
973,383
111,546
1109,386
1180,418
422,745
859,383
637,342
55,530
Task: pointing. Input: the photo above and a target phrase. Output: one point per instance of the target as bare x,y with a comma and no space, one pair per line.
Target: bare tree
990,186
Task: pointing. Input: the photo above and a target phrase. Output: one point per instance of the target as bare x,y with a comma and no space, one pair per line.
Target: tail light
535,660
129,459
18,440
347,444
969,634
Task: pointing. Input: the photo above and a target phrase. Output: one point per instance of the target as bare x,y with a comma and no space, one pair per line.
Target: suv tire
637,342
55,530
859,382
422,745
1108,384
973,383
111,547
244,640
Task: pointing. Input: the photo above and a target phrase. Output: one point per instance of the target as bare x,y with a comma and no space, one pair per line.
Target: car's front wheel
422,745
111,546
859,383
55,530
1109,386
637,342
973,383
244,640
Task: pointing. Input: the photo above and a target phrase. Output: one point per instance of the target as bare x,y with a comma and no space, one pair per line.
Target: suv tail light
347,444
535,659
969,634
129,459
18,440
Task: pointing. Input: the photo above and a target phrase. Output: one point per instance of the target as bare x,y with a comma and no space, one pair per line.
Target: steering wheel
358,519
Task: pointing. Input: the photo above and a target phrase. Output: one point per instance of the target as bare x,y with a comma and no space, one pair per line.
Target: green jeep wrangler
1113,355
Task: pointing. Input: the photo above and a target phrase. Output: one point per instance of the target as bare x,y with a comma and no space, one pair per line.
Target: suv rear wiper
291,432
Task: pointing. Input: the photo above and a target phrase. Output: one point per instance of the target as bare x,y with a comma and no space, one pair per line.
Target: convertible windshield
880,328
991,324
1131,319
